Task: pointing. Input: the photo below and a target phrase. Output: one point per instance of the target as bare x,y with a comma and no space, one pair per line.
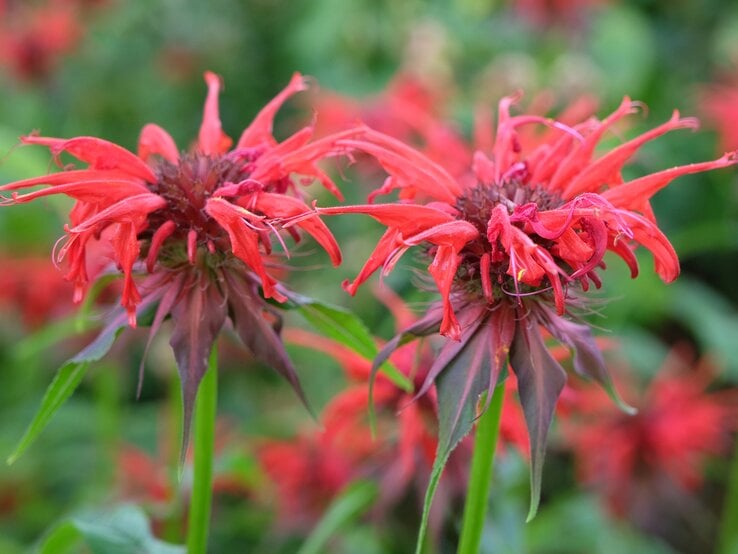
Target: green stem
728,532
480,476
203,445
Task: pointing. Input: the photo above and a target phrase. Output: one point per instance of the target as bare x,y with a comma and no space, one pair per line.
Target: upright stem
203,444
480,475
728,532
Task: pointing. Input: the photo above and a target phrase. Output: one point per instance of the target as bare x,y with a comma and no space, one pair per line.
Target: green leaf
66,381
345,327
125,530
461,381
346,507
61,539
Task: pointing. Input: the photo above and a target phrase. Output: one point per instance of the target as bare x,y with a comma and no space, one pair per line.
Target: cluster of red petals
34,37
530,217
220,198
680,424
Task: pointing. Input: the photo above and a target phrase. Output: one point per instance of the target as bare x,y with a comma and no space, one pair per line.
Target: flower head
200,224
514,243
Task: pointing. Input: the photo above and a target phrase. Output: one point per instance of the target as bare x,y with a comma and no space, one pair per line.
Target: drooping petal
155,141
212,140
666,262
133,207
126,247
285,207
244,241
99,154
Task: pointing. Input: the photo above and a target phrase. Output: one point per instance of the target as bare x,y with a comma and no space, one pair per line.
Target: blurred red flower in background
544,13
719,103
680,425
34,37
31,287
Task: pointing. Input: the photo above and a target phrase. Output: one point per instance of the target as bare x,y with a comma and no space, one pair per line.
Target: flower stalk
480,475
204,441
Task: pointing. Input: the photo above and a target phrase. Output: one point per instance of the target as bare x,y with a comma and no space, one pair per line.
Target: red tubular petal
410,219
409,168
160,235
99,154
244,242
282,206
385,247
69,177
632,194
155,141
443,270
191,245
260,130
650,236
603,170
484,267
212,139
581,154
125,245
102,192
133,207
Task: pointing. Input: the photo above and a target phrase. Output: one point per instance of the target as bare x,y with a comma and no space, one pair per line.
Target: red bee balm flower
635,460
199,223
512,247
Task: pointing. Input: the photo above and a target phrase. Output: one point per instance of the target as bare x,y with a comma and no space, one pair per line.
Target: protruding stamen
191,245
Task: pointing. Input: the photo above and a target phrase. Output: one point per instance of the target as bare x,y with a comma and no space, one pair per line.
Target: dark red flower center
475,206
187,187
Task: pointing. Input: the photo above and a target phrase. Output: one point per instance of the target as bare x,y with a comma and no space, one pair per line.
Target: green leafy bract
125,530
345,327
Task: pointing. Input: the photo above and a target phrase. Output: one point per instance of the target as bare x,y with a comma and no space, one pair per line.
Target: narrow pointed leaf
588,360
123,531
70,375
345,327
425,326
351,503
540,381
198,318
473,371
261,338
